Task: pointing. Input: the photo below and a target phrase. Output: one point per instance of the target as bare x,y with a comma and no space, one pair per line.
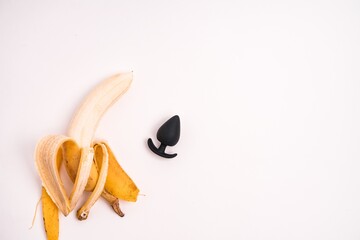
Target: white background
268,95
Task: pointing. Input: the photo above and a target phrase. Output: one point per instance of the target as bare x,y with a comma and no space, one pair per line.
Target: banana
91,166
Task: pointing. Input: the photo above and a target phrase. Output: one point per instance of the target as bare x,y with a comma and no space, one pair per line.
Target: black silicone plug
168,135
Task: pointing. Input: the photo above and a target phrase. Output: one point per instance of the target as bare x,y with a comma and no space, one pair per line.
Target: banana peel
91,165
50,215
118,183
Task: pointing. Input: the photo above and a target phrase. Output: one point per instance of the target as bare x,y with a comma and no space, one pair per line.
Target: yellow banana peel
51,216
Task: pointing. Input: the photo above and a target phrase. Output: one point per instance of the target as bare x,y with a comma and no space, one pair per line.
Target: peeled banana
91,165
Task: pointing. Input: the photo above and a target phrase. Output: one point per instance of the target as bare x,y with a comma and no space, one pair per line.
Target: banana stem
114,202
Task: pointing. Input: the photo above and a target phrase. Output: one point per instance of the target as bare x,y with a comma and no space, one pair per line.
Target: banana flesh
90,165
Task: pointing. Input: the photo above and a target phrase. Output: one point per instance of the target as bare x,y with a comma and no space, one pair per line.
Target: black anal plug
168,135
